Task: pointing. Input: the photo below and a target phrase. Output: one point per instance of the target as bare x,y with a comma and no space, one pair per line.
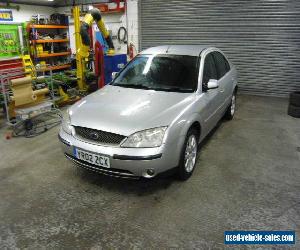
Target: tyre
294,111
188,155
231,109
295,98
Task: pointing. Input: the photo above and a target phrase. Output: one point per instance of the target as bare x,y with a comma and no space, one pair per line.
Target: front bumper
124,162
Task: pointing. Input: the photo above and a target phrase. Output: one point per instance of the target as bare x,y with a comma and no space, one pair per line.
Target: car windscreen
175,73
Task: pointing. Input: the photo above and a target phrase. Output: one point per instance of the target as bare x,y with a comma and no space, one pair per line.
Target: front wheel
188,155
231,109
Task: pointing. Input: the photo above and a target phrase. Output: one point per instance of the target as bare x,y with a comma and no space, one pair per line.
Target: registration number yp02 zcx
92,158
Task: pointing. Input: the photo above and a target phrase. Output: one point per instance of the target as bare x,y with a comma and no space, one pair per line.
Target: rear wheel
188,155
231,109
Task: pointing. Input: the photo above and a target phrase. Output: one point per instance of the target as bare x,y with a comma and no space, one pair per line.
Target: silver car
153,115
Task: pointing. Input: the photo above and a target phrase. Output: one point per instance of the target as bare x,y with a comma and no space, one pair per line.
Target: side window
227,66
209,71
221,64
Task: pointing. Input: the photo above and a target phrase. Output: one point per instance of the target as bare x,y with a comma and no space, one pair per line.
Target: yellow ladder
28,65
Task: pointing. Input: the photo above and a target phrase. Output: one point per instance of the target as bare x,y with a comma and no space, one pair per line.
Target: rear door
212,97
224,80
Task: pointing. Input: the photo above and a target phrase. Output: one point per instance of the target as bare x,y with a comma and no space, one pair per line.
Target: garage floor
247,177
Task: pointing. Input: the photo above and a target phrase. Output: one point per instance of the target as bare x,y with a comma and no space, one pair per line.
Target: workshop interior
58,58
100,149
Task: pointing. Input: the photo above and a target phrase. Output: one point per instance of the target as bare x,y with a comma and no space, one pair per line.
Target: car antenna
168,49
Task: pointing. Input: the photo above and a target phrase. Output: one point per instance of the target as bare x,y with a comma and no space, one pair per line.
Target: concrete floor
247,178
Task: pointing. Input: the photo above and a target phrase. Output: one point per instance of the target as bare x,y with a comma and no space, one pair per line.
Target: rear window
222,64
209,71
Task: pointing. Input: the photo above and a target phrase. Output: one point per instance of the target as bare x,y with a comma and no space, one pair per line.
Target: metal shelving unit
51,41
47,26
53,54
51,57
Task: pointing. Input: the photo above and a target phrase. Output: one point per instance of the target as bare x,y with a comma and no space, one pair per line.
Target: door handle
221,90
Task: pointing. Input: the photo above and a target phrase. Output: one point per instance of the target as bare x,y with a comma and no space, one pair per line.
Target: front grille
99,136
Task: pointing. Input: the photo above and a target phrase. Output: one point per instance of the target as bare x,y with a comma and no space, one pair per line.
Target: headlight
66,123
149,138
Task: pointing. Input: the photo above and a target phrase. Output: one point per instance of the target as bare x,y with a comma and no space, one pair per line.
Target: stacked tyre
294,105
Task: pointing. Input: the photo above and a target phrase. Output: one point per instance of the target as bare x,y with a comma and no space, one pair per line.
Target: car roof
189,50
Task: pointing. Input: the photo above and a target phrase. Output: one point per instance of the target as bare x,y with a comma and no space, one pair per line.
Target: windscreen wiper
133,86
173,89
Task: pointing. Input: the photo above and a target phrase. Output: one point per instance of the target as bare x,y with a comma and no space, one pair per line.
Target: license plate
92,158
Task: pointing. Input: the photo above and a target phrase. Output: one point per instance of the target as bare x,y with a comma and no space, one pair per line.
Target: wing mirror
212,84
113,75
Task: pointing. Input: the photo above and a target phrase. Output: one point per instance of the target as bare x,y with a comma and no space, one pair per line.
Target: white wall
26,11
132,18
113,22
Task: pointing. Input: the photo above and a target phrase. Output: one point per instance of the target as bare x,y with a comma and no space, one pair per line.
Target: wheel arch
235,89
196,125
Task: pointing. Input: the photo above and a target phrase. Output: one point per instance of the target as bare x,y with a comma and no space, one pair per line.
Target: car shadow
142,186
139,187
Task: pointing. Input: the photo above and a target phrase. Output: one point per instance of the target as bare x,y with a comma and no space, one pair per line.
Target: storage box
113,63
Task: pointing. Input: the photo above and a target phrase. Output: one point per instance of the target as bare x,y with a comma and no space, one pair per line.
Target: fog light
150,172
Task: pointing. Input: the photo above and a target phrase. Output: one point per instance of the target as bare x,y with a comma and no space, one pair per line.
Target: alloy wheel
190,153
232,108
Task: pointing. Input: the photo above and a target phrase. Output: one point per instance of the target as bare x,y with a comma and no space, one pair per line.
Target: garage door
262,37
